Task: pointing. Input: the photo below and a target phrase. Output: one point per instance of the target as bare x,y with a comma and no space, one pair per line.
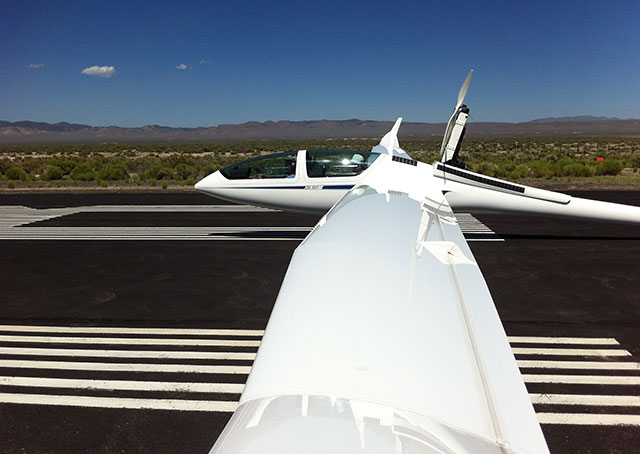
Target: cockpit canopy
319,164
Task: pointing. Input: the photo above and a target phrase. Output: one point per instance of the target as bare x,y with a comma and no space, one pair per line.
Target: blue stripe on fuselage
337,186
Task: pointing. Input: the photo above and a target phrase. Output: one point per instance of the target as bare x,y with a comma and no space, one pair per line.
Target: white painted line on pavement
587,419
599,365
123,385
123,330
582,379
130,341
580,399
148,230
116,402
126,367
237,356
171,208
563,340
158,238
569,351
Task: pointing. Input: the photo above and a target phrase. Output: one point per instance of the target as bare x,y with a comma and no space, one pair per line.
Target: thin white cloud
182,66
36,65
99,71
204,62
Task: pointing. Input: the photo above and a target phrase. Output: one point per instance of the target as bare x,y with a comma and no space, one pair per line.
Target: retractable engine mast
456,128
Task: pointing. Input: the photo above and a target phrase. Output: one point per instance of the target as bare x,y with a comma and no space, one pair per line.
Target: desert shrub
52,173
541,169
578,170
15,173
113,171
158,172
65,163
609,167
11,184
82,172
185,171
5,164
520,171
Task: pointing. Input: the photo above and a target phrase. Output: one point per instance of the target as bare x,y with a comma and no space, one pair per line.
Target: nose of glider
210,183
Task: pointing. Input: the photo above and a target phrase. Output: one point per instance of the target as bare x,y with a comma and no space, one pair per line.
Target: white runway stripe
117,330
131,341
599,365
149,230
238,356
563,340
166,238
582,379
116,402
569,352
580,399
172,209
470,225
587,419
14,218
126,367
152,233
224,406
44,359
123,385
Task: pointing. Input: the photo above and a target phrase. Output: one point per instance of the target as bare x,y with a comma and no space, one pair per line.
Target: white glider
384,337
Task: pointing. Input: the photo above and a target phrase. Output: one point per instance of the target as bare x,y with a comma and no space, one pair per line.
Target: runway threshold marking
585,365
588,419
123,385
582,379
126,367
22,351
230,406
119,402
569,352
123,330
13,220
169,354
581,399
131,341
563,340
15,215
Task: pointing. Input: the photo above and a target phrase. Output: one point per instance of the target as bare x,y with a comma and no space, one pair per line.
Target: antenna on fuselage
456,127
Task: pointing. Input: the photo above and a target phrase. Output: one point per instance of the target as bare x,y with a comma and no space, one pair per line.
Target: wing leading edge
384,338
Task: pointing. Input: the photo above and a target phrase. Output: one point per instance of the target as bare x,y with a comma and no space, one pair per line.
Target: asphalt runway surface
70,389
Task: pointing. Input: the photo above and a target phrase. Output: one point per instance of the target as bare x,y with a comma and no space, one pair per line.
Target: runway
110,341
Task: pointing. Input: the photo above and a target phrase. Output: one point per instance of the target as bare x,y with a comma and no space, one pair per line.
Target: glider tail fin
389,143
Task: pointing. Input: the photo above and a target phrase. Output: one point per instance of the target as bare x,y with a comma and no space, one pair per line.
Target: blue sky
311,60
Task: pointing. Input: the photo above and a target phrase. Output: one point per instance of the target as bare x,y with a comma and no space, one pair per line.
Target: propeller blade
463,90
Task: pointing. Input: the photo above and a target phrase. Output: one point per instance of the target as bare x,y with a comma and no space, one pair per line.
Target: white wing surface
384,339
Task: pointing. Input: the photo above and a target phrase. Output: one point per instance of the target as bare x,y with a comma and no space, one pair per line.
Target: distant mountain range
29,132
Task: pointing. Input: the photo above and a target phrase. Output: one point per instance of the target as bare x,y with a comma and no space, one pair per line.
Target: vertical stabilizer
389,143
